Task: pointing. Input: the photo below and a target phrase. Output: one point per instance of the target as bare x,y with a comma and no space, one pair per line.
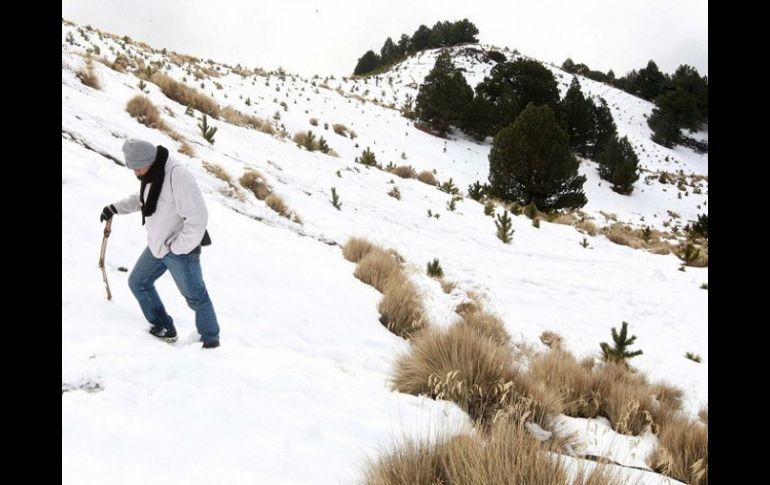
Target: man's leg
147,270
187,274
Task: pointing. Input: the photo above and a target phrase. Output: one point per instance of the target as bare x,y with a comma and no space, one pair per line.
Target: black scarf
155,177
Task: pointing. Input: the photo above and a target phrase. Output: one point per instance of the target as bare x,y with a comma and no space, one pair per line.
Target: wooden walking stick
107,230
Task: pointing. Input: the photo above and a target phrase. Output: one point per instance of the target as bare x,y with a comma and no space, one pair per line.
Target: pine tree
407,109
206,130
511,86
420,39
403,44
689,254
504,227
496,56
367,158
434,269
692,356
387,52
476,191
464,31
650,81
444,96
620,353
647,234
309,141
687,79
530,161
478,118
683,104
701,226
449,187
336,199
489,209
619,164
530,210
628,82
578,117
665,128
626,173
367,63
603,124
323,146
441,35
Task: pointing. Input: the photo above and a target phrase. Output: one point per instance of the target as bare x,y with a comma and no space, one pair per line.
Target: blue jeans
186,271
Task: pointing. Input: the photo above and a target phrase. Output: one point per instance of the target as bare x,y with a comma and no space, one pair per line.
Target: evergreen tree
207,131
619,164
444,97
628,83
434,269
603,124
440,34
619,352
650,81
689,253
504,227
496,56
530,161
309,141
367,158
647,234
665,127
478,118
578,118
403,44
464,31
449,187
489,209
701,226
626,174
511,86
420,39
476,191
388,51
323,146
582,69
367,63
336,199
693,96
684,104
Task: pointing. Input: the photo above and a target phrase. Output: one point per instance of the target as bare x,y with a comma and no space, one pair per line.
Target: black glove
107,213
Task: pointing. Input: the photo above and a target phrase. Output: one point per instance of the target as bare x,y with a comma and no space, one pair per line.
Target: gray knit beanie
139,153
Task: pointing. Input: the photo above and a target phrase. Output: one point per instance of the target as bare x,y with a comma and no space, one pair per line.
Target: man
175,214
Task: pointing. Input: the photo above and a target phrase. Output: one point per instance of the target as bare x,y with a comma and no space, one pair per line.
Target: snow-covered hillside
298,392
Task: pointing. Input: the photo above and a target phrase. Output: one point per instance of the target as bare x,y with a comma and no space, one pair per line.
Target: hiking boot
164,333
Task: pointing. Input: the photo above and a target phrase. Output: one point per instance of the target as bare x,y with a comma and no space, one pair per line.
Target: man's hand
107,213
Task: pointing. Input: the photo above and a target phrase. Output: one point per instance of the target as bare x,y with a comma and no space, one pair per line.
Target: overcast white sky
328,36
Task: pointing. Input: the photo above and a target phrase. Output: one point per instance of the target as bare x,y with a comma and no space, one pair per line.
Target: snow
299,390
